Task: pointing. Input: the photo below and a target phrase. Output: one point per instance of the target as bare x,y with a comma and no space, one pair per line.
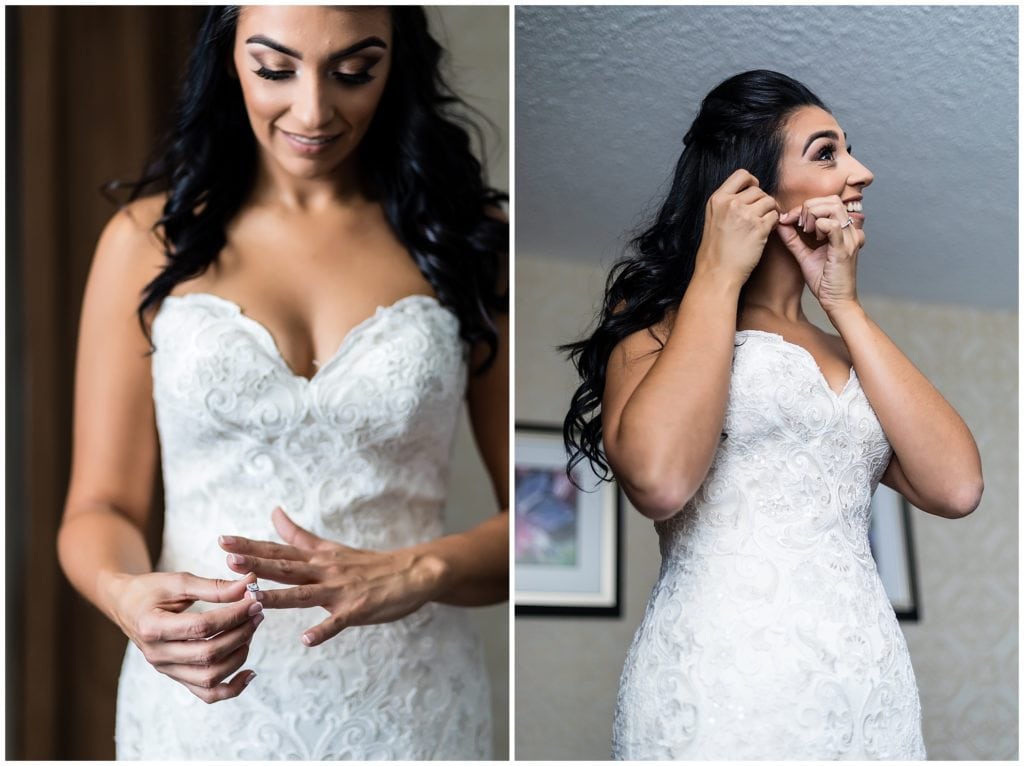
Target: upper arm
628,364
488,401
114,432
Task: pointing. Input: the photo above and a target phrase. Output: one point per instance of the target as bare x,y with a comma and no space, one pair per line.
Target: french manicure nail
249,679
307,639
255,608
234,558
258,619
226,540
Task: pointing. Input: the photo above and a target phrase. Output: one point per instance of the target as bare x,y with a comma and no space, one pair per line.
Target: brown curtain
89,90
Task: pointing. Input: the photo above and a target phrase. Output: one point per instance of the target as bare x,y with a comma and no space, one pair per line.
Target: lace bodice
359,454
768,634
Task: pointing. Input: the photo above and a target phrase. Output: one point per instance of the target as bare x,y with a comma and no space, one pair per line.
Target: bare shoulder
643,344
130,252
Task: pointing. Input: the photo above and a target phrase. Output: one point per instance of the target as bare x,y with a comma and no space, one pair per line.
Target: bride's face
816,162
311,78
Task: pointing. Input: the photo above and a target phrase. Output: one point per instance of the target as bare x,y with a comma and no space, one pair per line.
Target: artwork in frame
893,549
567,538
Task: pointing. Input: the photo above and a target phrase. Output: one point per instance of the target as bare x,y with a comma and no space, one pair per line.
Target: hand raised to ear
825,242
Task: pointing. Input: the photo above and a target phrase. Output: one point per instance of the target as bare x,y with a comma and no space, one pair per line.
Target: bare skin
777,247
309,257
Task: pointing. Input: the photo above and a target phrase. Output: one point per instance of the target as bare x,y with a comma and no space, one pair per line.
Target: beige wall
964,650
476,39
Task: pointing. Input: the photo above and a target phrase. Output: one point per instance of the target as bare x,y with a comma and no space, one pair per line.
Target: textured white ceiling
928,96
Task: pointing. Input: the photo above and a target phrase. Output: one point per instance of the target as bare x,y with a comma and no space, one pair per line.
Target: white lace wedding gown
768,634
358,454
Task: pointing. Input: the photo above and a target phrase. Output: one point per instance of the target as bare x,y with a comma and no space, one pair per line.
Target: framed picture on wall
893,549
568,549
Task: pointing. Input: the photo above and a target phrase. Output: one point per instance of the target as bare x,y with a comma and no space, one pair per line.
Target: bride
754,440
322,279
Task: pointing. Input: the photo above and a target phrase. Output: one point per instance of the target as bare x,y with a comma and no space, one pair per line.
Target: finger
161,625
214,590
791,217
738,181
278,570
831,228
327,629
765,205
205,652
301,596
750,195
224,691
262,548
292,533
209,676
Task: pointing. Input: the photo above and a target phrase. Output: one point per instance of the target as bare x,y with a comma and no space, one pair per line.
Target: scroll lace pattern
359,454
768,634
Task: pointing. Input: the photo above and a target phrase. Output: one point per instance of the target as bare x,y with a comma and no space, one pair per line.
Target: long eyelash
826,149
359,78
272,74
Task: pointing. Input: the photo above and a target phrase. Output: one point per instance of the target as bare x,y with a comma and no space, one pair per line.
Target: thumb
291,532
210,589
792,240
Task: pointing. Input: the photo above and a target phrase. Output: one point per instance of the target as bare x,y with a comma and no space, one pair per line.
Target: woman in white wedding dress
323,283
754,440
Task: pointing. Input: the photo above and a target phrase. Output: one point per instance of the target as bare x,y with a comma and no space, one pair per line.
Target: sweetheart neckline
810,357
348,340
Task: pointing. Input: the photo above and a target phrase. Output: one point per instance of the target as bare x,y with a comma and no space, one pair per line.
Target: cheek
262,104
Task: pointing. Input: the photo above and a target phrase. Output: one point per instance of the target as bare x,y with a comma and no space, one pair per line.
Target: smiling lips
310,144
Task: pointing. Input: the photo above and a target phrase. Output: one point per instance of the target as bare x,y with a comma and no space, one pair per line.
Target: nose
312,105
859,174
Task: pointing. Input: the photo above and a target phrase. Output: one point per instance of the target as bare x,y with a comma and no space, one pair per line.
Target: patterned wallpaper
964,650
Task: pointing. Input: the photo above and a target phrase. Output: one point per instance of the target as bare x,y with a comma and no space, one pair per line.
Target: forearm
671,426
96,545
472,566
934,447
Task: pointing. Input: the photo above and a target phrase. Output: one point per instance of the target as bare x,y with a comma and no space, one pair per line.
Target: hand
357,587
198,650
829,268
737,221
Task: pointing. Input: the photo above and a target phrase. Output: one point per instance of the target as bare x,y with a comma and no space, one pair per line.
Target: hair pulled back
415,160
740,125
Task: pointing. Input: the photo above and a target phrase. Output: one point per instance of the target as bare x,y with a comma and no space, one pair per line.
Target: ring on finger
849,220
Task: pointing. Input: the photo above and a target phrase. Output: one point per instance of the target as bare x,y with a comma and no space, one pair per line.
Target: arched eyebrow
368,42
821,134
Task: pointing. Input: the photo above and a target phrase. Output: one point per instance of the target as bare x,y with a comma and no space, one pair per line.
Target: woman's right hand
738,218
197,649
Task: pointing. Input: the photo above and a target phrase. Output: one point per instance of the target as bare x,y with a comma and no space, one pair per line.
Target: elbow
957,501
659,499
964,499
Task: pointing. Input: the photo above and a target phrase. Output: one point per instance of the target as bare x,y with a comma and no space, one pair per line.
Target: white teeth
854,207
312,141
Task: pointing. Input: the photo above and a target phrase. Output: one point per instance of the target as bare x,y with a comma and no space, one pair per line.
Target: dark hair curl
739,125
415,160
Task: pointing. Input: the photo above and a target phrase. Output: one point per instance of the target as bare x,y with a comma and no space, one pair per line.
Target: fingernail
256,608
307,639
226,540
258,619
249,679
234,558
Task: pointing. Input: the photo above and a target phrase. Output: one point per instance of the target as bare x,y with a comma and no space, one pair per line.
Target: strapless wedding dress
768,634
358,454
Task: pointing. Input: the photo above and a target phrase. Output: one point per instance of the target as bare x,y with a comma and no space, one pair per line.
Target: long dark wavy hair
740,125
415,160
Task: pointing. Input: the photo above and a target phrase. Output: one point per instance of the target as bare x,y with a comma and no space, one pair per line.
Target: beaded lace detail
359,453
768,634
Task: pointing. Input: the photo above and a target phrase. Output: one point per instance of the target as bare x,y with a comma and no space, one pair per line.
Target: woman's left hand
357,587
829,262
